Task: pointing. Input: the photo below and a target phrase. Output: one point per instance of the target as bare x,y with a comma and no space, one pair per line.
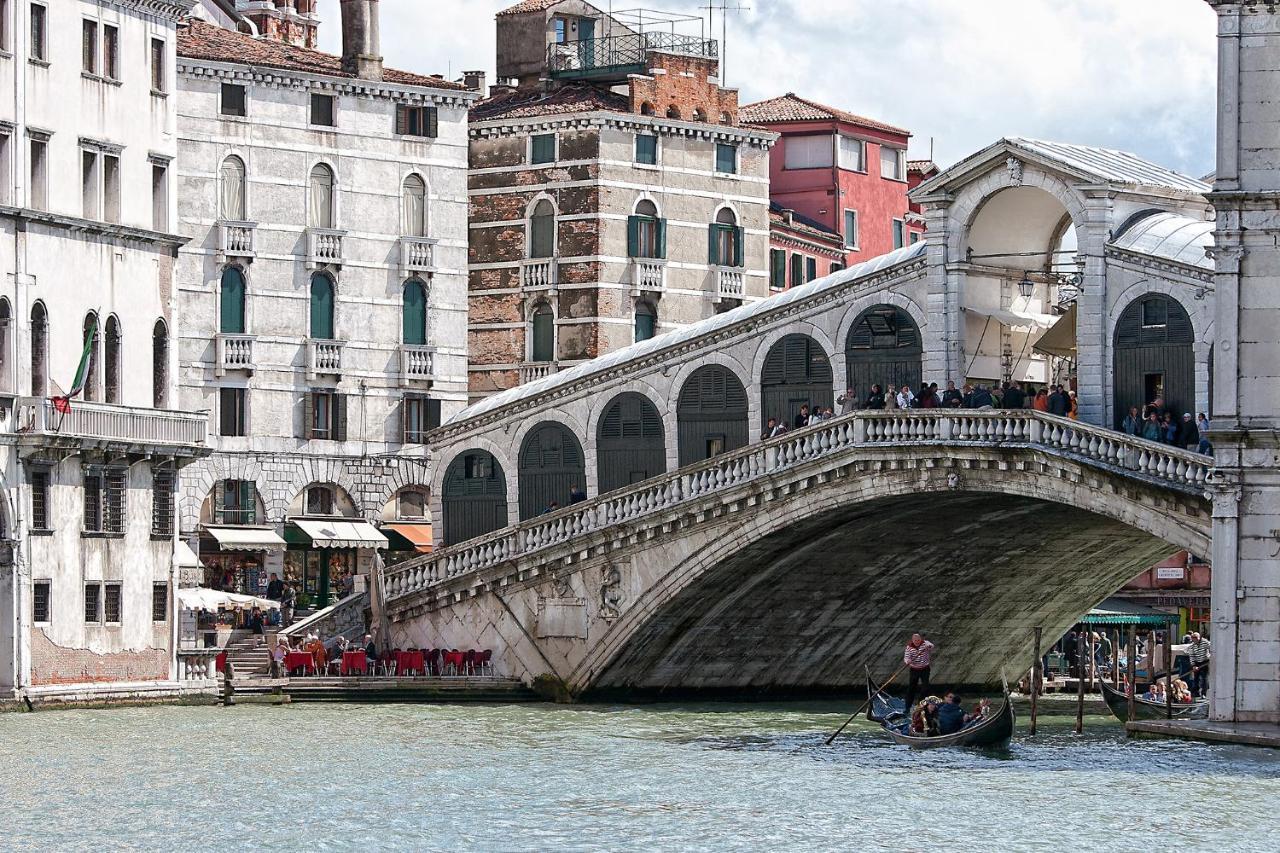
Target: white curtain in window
415,207
808,152
321,214
852,152
233,190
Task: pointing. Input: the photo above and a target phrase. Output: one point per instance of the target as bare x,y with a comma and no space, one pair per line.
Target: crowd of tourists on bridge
1155,422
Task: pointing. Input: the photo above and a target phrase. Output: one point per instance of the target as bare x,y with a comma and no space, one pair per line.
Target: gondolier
917,657
1198,655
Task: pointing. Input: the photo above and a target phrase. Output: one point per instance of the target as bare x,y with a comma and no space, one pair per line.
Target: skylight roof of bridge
690,332
1112,166
1170,236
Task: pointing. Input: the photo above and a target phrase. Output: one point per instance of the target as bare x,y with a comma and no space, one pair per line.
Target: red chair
431,663
469,662
220,662
484,661
387,662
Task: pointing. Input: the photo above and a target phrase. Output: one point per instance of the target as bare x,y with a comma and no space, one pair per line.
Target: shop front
239,559
328,559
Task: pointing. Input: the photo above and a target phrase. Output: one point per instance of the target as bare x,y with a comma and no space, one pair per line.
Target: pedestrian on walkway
917,656
875,400
1132,422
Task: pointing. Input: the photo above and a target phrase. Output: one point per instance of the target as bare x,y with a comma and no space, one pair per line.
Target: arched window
320,214
646,321
646,232
725,244
231,302
39,350
413,197
673,112
6,323
231,205
160,364
113,359
543,346
319,500
699,114
415,313
86,379
542,230
321,307
646,109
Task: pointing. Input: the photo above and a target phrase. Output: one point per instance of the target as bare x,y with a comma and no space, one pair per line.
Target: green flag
82,371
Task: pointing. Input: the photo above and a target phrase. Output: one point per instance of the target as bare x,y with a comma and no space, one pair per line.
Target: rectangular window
836,266
479,466
417,121
726,158
236,502
4,25
893,163
899,233
319,500
88,46
162,495
323,110
326,416
159,79
159,197
41,602
89,183
93,503
853,154
159,602
415,419
544,148
115,484
412,504
808,152
111,607
93,603
1155,313
110,188
797,269
6,181
110,52
40,500
231,412
647,149
39,174
915,237
778,269
851,229
810,269
39,36
234,100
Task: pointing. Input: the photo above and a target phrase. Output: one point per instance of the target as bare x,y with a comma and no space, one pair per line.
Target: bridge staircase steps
249,656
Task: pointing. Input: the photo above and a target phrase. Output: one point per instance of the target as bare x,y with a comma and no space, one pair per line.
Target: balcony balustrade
39,420
731,283
538,273
417,364
532,370
417,255
234,352
648,274
324,356
236,239
325,247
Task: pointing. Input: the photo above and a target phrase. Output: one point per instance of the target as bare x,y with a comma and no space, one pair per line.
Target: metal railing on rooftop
585,56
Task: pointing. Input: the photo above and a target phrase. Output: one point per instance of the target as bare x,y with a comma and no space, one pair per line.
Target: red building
800,249
918,171
843,172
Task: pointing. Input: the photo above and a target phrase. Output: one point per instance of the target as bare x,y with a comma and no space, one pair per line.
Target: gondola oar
864,705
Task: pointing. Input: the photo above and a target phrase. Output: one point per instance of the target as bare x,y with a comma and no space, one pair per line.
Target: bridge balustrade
1133,456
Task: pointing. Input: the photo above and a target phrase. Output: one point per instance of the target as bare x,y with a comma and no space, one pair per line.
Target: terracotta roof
528,6
924,167
792,107
568,99
801,223
200,40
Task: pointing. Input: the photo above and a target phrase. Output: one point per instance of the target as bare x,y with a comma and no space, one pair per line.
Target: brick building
846,173
615,194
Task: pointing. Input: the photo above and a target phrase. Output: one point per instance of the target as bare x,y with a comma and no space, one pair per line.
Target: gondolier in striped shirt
1198,655
917,657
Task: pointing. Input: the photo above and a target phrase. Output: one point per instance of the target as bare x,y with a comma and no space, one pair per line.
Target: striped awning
340,533
230,538
1117,611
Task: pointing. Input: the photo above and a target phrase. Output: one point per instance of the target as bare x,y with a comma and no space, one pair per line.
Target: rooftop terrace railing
586,56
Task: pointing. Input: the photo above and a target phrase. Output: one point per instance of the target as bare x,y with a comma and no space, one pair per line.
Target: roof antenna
930,149
725,9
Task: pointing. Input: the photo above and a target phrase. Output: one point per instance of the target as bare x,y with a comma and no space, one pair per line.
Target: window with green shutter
646,149
415,313
544,335
646,232
778,269
797,269
646,321
544,148
321,307
231,307
810,269
724,240
726,158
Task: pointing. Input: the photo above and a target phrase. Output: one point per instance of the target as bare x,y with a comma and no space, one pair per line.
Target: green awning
1117,611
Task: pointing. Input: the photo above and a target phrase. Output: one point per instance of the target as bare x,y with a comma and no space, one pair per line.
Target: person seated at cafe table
370,650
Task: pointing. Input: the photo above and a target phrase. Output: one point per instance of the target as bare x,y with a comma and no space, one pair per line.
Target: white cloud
1133,74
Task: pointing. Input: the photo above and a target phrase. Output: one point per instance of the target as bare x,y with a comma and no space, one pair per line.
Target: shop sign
1170,573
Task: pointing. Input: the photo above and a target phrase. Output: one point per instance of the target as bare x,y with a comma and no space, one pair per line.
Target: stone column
1093,347
1246,404
943,335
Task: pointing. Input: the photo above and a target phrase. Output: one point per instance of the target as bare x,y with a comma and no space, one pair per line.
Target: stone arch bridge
791,562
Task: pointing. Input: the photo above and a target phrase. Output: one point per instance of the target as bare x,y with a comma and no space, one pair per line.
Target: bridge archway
630,446
474,496
550,465
1154,355
711,414
797,372
883,347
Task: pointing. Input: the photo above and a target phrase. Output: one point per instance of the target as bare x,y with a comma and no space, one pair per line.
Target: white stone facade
88,239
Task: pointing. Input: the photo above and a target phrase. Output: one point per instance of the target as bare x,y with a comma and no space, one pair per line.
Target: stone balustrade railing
1177,468
234,352
417,254
648,274
730,283
538,273
236,239
532,370
324,356
324,246
42,417
417,363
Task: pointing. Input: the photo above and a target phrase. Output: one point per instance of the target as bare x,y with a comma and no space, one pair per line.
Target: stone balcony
533,370
731,283
324,357
41,424
325,247
648,275
417,364
417,255
236,239
234,352
539,274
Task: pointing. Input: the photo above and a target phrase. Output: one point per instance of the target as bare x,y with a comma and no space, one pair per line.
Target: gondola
1145,709
994,730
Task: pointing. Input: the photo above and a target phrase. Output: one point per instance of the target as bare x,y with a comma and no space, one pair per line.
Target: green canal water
665,777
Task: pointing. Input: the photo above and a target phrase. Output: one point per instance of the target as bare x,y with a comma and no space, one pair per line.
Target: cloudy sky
1130,74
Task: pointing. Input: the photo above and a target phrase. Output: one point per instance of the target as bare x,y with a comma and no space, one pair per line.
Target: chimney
361,45
474,80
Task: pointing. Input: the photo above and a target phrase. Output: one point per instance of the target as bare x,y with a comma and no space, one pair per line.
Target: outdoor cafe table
298,660
409,661
353,662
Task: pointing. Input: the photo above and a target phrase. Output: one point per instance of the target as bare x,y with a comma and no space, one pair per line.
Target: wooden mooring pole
1168,669
1080,665
1036,675
1132,666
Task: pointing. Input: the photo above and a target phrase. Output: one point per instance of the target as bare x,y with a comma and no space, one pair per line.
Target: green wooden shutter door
231,313
308,413
415,314
713,256
660,237
433,122
248,507
633,236
321,308
340,417
738,234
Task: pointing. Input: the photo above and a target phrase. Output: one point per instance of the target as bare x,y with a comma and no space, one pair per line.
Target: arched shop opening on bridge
630,446
1022,277
711,414
797,373
884,348
551,467
1154,357
474,498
